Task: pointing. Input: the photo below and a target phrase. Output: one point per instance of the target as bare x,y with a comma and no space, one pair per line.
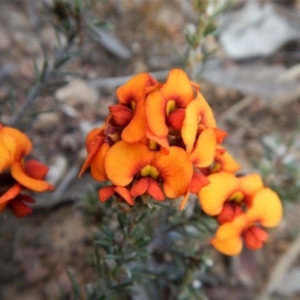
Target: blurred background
248,67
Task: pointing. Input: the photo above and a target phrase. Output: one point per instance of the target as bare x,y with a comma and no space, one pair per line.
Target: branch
47,74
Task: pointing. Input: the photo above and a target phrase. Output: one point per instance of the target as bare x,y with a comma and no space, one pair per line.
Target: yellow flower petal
24,145
176,171
178,87
135,131
123,161
228,247
204,152
212,197
266,208
19,175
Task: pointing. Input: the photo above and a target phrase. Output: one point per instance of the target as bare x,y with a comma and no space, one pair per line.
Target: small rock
57,169
47,122
68,110
77,91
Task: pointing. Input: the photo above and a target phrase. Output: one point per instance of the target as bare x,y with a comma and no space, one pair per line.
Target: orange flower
226,187
133,96
130,163
198,116
27,175
205,148
96,148
224,162
266,210
13,146
164,106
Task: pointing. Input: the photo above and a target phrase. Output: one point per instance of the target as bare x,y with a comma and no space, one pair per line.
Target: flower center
171,105
215,167
133,105
152,145
237,197
149,171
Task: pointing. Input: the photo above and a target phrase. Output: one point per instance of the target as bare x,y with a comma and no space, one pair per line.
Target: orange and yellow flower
265,210
150,172
132,96
165,107
161,141
17,175
227,188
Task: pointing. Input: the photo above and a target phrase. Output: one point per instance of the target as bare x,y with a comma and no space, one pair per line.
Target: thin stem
40,85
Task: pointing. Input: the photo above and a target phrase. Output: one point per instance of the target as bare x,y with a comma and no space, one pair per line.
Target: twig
280,269
40,85
68,179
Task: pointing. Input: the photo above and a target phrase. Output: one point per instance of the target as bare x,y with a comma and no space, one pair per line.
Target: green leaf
105,242
76,288
110,233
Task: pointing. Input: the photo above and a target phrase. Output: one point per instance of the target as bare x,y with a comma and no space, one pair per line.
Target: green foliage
196,34
151,248
280,167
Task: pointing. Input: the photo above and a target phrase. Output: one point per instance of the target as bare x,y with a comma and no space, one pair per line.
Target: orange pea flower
224,162
266,210
198,116
97,144
165,107
227,188
13,146
149,171
26,176
132,96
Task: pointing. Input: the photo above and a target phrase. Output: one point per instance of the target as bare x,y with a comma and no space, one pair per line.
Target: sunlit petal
19,175
123,161
231,246
156,114
24,145
204,152
175,170
137,127
266,208
250,184
134,89
212,197
8,146
178,87
190,125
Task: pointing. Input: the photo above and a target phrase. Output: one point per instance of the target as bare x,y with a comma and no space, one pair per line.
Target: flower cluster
162,141
16,174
